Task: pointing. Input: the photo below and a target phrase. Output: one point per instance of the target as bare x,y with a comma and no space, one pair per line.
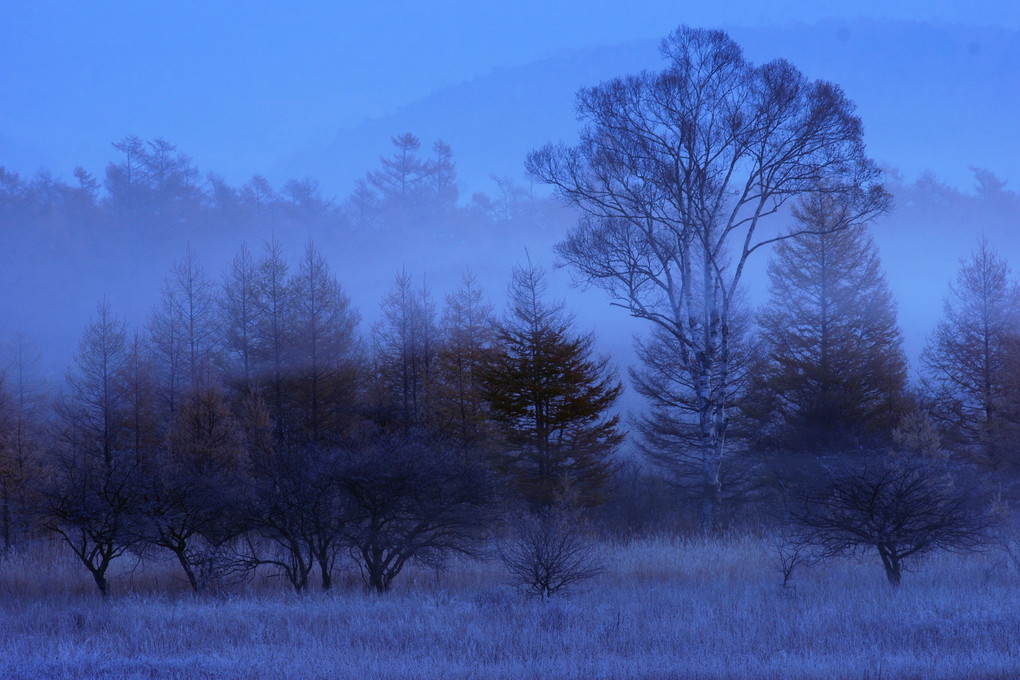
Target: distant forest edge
152,203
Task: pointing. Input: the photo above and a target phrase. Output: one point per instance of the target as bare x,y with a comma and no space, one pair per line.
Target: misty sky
239,85
317,89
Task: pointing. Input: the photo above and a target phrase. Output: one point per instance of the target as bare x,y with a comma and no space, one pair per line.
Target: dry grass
665,608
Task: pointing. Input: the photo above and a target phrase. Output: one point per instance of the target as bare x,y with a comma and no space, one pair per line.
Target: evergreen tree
835,373
971,357
552,398
406,348
469,342
325,353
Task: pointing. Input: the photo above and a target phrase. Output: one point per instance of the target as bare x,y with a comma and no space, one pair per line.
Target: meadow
664,607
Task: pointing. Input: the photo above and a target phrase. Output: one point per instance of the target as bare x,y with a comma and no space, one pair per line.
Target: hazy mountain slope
929,95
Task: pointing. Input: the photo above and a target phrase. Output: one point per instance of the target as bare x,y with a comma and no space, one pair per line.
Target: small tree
195,489
91,499
410,500
548,551
300,510
902,510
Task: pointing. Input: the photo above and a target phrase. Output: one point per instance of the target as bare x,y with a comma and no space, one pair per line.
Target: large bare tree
675,176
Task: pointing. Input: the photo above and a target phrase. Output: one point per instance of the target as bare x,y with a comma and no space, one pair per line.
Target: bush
549,551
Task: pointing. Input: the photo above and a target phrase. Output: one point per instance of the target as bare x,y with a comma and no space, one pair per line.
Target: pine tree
552,398
835,373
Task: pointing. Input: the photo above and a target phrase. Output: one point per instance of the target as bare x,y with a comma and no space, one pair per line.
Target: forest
251,434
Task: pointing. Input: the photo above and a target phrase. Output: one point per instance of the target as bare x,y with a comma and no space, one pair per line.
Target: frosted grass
665,608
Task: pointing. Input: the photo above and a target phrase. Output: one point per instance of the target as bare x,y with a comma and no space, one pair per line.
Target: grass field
663,608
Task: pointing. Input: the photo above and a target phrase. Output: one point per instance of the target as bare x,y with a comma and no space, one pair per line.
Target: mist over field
542,342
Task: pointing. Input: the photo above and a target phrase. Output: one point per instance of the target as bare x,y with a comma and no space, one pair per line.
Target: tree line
250,423
152,192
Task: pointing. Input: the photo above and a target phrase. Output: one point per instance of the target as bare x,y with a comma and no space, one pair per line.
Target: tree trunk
891,562
327,573
188,570
99,576
7,521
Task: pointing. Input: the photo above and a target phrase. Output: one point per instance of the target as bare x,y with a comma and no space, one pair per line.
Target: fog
309,99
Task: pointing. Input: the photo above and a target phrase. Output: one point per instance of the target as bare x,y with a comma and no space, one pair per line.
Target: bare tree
194,489
902,510
91,498
676,174
548,551
300,510
788,553
411,500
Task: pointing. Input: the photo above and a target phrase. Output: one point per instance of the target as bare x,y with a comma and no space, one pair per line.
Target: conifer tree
835,372
972,356
325,352
406,344
469,343
552,399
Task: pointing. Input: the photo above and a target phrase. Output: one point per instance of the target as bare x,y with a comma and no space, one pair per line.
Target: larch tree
968,357
676,175
237,327
21,439
552,398
181,328
145,421
272,330
469,342
835,374
406,349
325,352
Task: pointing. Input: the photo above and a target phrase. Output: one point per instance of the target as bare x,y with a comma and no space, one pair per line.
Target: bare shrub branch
549,551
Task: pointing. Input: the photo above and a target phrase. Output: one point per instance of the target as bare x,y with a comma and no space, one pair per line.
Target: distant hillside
928,96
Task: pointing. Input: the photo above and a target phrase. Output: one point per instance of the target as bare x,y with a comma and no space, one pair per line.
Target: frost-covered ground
664,608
